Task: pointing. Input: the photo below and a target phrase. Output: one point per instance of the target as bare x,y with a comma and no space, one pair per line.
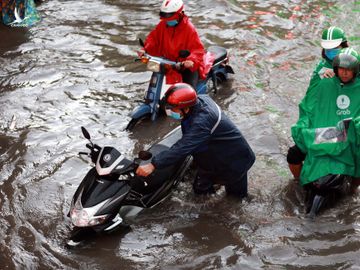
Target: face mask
173,114
331,53
172,23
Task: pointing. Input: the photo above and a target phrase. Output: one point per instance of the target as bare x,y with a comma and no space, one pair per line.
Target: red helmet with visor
180,95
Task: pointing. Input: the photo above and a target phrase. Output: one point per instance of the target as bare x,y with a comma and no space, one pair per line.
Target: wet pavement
76,68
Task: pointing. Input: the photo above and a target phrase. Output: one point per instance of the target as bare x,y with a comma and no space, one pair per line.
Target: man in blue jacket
219,149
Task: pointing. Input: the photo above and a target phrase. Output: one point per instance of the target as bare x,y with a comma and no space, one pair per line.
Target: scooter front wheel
79,235
133,122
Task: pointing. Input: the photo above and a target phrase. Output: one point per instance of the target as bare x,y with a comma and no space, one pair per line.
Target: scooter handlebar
129,169
89,146
145,58
179,65
95,150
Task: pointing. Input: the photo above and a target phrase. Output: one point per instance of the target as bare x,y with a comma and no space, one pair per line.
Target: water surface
76,68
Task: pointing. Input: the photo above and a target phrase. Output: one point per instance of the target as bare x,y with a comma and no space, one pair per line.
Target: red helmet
180,95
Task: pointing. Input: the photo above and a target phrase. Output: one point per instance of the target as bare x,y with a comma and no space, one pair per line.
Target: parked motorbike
150,106
111,192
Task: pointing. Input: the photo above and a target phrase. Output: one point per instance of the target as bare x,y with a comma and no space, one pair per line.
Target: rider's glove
141,52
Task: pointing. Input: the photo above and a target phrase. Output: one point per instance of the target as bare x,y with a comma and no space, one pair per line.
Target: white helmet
172,6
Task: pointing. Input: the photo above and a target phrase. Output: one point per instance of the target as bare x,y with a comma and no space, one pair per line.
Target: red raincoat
167,41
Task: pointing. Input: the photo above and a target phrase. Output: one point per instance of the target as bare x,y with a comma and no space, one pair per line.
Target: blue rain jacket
209,134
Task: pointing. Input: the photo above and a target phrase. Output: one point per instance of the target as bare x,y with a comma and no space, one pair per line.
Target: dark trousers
235,186
189,77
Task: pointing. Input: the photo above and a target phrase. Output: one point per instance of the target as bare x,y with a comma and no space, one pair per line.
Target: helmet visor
166,15
331,44
165,105
168,106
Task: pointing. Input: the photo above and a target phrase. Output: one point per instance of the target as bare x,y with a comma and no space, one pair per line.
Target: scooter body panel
140,111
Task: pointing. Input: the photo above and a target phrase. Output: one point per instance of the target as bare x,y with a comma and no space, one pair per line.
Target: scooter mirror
85,133
145,155
184,53
142,44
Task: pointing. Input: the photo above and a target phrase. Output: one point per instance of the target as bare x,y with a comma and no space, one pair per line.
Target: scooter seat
220,53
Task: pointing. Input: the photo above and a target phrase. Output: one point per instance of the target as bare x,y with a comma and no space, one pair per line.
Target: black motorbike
324,191
329,188
111,192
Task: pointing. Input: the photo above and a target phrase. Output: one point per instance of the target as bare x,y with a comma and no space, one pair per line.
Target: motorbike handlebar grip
97,147
88,145
179,65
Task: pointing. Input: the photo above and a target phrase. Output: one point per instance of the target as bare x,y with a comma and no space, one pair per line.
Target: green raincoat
319,71
331,144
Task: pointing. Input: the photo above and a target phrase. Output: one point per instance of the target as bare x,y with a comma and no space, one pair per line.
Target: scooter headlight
153,66
84,217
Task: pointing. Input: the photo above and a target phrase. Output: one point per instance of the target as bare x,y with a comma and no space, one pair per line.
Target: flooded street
76,68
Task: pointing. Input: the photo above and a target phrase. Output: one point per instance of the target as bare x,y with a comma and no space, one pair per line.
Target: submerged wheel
213,83
79,235
133,122
220,78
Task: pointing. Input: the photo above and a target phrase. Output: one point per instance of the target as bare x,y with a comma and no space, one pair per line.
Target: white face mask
172,114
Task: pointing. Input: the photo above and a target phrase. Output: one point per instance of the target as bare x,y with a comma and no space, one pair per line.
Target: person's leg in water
295,158
355,183
203,183
189,77
238,187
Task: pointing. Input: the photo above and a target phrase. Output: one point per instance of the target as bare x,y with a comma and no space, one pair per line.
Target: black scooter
331,187
325,190
112,192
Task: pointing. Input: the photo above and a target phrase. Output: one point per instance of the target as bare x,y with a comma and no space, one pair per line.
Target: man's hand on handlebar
145,170
188,64
141,52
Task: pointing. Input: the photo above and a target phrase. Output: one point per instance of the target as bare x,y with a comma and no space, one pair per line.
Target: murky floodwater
76,69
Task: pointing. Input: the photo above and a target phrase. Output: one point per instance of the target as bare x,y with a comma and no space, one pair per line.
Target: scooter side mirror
85,133
141,42
145,155
184,53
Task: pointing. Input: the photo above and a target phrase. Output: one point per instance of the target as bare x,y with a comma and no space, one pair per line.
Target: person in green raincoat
333,39
327,133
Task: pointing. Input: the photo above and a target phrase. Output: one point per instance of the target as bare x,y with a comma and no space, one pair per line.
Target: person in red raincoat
173,33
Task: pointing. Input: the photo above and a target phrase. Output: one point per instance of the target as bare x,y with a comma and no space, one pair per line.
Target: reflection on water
11,38
76,68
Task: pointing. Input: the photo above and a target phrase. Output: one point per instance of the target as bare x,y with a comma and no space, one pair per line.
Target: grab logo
343,102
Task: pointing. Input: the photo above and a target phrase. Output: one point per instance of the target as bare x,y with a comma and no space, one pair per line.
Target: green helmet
332,37
347,58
